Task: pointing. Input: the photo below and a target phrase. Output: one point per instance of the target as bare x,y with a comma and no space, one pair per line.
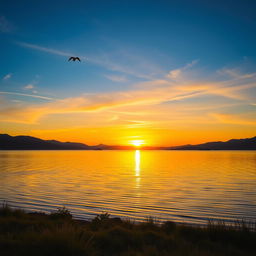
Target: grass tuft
61,213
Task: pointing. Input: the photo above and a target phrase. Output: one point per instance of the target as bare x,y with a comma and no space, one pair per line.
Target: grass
58,233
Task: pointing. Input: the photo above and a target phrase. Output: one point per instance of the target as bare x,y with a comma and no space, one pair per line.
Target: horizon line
129,145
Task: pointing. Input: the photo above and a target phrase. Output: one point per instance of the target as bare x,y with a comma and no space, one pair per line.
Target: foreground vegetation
58,233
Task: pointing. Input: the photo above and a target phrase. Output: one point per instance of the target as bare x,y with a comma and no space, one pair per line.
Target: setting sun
137,143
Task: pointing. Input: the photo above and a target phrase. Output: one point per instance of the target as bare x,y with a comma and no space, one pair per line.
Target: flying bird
74,59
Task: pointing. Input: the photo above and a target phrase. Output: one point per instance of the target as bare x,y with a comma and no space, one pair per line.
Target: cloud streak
233,119
27,95
90,103
176,73
29,87
7,76
167,92
45,49
115,78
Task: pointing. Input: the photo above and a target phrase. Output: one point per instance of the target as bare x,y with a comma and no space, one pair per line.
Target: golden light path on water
137,168
137,163
190,186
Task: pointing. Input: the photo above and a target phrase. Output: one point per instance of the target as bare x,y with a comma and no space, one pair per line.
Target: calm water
186,186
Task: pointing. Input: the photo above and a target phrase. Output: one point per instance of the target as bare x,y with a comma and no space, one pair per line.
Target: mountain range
233,144
8,142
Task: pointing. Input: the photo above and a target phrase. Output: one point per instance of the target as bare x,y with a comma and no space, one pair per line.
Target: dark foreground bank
56,234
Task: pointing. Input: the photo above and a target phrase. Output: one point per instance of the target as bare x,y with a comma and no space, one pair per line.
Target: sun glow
137,143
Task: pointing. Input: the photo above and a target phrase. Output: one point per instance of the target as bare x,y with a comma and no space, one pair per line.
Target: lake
183,186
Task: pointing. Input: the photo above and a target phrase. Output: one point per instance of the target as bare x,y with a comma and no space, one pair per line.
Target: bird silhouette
74,59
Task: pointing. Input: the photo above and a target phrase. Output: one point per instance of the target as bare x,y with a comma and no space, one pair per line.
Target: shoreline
156,220
57,233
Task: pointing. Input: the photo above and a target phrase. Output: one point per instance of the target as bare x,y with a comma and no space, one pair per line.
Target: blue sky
124,46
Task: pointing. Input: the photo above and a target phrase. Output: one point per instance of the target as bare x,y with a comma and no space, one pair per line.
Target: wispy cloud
45,49
27,95
7,76
173,74
236,74
234,119
5,25
29,87
107,62
97,103
116,78
176,73
90,103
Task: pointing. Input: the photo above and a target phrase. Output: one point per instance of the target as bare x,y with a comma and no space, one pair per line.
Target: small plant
150,220
101,221
103,217
62,213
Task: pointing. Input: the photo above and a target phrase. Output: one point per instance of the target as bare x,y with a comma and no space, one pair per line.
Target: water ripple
184,186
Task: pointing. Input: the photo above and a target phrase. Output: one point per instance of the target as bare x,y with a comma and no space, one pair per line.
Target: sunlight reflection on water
137,163
190,186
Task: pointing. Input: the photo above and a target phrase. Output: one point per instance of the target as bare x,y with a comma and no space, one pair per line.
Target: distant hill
234,144
27,142
8,142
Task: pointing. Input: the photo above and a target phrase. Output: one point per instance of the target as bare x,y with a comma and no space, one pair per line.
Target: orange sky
160,112
169,111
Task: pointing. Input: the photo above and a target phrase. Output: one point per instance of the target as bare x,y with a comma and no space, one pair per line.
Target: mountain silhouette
234,144
8,142
28,142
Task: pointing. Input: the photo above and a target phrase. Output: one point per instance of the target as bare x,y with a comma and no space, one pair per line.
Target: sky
160,73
